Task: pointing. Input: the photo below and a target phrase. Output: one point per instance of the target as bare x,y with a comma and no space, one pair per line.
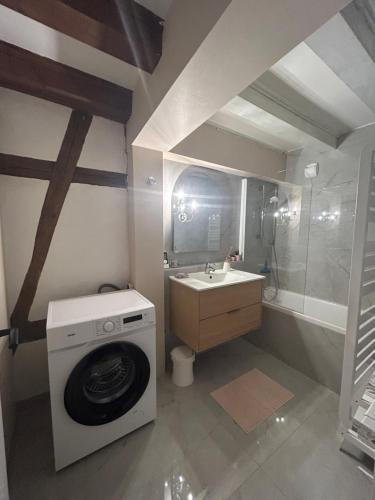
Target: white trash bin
183,358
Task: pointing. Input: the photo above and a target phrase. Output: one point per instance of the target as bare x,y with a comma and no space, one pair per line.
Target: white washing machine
101,360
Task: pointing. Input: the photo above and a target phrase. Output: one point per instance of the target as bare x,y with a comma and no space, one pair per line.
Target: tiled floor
195,451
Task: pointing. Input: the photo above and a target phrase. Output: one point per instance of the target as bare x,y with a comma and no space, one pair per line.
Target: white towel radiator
359,356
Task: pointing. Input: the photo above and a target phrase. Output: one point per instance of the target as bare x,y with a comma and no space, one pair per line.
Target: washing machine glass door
106,383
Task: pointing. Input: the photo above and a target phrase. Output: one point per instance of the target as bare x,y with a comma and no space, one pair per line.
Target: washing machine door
106,383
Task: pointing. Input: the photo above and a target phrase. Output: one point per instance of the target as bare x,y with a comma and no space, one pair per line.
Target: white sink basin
203,281
217,277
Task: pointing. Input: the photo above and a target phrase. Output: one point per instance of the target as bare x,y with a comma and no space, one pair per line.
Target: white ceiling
307,74
242,117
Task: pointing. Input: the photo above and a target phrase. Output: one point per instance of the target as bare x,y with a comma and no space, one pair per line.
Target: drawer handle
234,310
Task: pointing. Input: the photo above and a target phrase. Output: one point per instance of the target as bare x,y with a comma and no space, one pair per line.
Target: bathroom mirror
204,207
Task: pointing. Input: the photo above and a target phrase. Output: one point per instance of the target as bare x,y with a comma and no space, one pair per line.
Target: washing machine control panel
124,323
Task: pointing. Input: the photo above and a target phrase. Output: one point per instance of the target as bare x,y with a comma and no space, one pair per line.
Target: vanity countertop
201,281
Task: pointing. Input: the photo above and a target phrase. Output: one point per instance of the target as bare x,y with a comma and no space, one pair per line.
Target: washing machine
102,374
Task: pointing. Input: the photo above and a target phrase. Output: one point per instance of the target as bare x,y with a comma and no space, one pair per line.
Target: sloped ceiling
328,82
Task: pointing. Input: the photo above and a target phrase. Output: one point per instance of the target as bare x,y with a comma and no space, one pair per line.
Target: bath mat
251,398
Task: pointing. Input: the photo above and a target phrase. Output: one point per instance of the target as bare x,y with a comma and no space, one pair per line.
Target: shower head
274,199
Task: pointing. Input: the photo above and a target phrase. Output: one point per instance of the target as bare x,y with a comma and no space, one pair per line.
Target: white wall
90,244
146,235
213,145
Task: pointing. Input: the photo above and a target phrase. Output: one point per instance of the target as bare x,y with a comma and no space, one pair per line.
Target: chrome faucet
210,268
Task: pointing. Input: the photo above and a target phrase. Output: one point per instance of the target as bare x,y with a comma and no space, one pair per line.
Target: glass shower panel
276,239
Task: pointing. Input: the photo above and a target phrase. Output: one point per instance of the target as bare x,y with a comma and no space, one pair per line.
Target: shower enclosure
299,233
276,239
293,236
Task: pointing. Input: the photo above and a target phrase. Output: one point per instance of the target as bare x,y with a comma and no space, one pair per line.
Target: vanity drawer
218,329
227,298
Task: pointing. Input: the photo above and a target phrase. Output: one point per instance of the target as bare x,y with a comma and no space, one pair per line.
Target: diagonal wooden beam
33,168
33,330
39,76
62,176
122,28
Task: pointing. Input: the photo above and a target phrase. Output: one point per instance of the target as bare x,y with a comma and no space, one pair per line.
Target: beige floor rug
251,398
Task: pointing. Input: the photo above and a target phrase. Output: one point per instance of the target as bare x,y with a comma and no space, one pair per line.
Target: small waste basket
183,358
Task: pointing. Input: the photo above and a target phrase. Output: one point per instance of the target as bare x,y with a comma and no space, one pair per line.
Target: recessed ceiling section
246,119
306,72
301,103
320,91
345,54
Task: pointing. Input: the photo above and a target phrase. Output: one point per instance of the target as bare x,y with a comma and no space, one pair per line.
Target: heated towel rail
359,356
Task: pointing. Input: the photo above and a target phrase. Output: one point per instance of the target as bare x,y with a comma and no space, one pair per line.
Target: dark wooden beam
33,330
121,28
62,176
100,178
30,331
30,73
32,168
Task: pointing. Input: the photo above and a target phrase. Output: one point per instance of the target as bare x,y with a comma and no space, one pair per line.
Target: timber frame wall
127,31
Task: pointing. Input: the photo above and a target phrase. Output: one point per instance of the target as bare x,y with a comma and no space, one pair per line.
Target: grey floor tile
310,466
220,463
195,450
263,441
258,487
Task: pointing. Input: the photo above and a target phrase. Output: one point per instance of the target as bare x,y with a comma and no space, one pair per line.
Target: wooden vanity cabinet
206,318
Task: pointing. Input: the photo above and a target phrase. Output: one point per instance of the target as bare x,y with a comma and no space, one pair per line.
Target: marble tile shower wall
329,221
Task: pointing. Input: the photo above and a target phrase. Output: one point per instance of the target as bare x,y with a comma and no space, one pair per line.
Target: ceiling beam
282,88
236,124
124,29
32,168
30,73
259,96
